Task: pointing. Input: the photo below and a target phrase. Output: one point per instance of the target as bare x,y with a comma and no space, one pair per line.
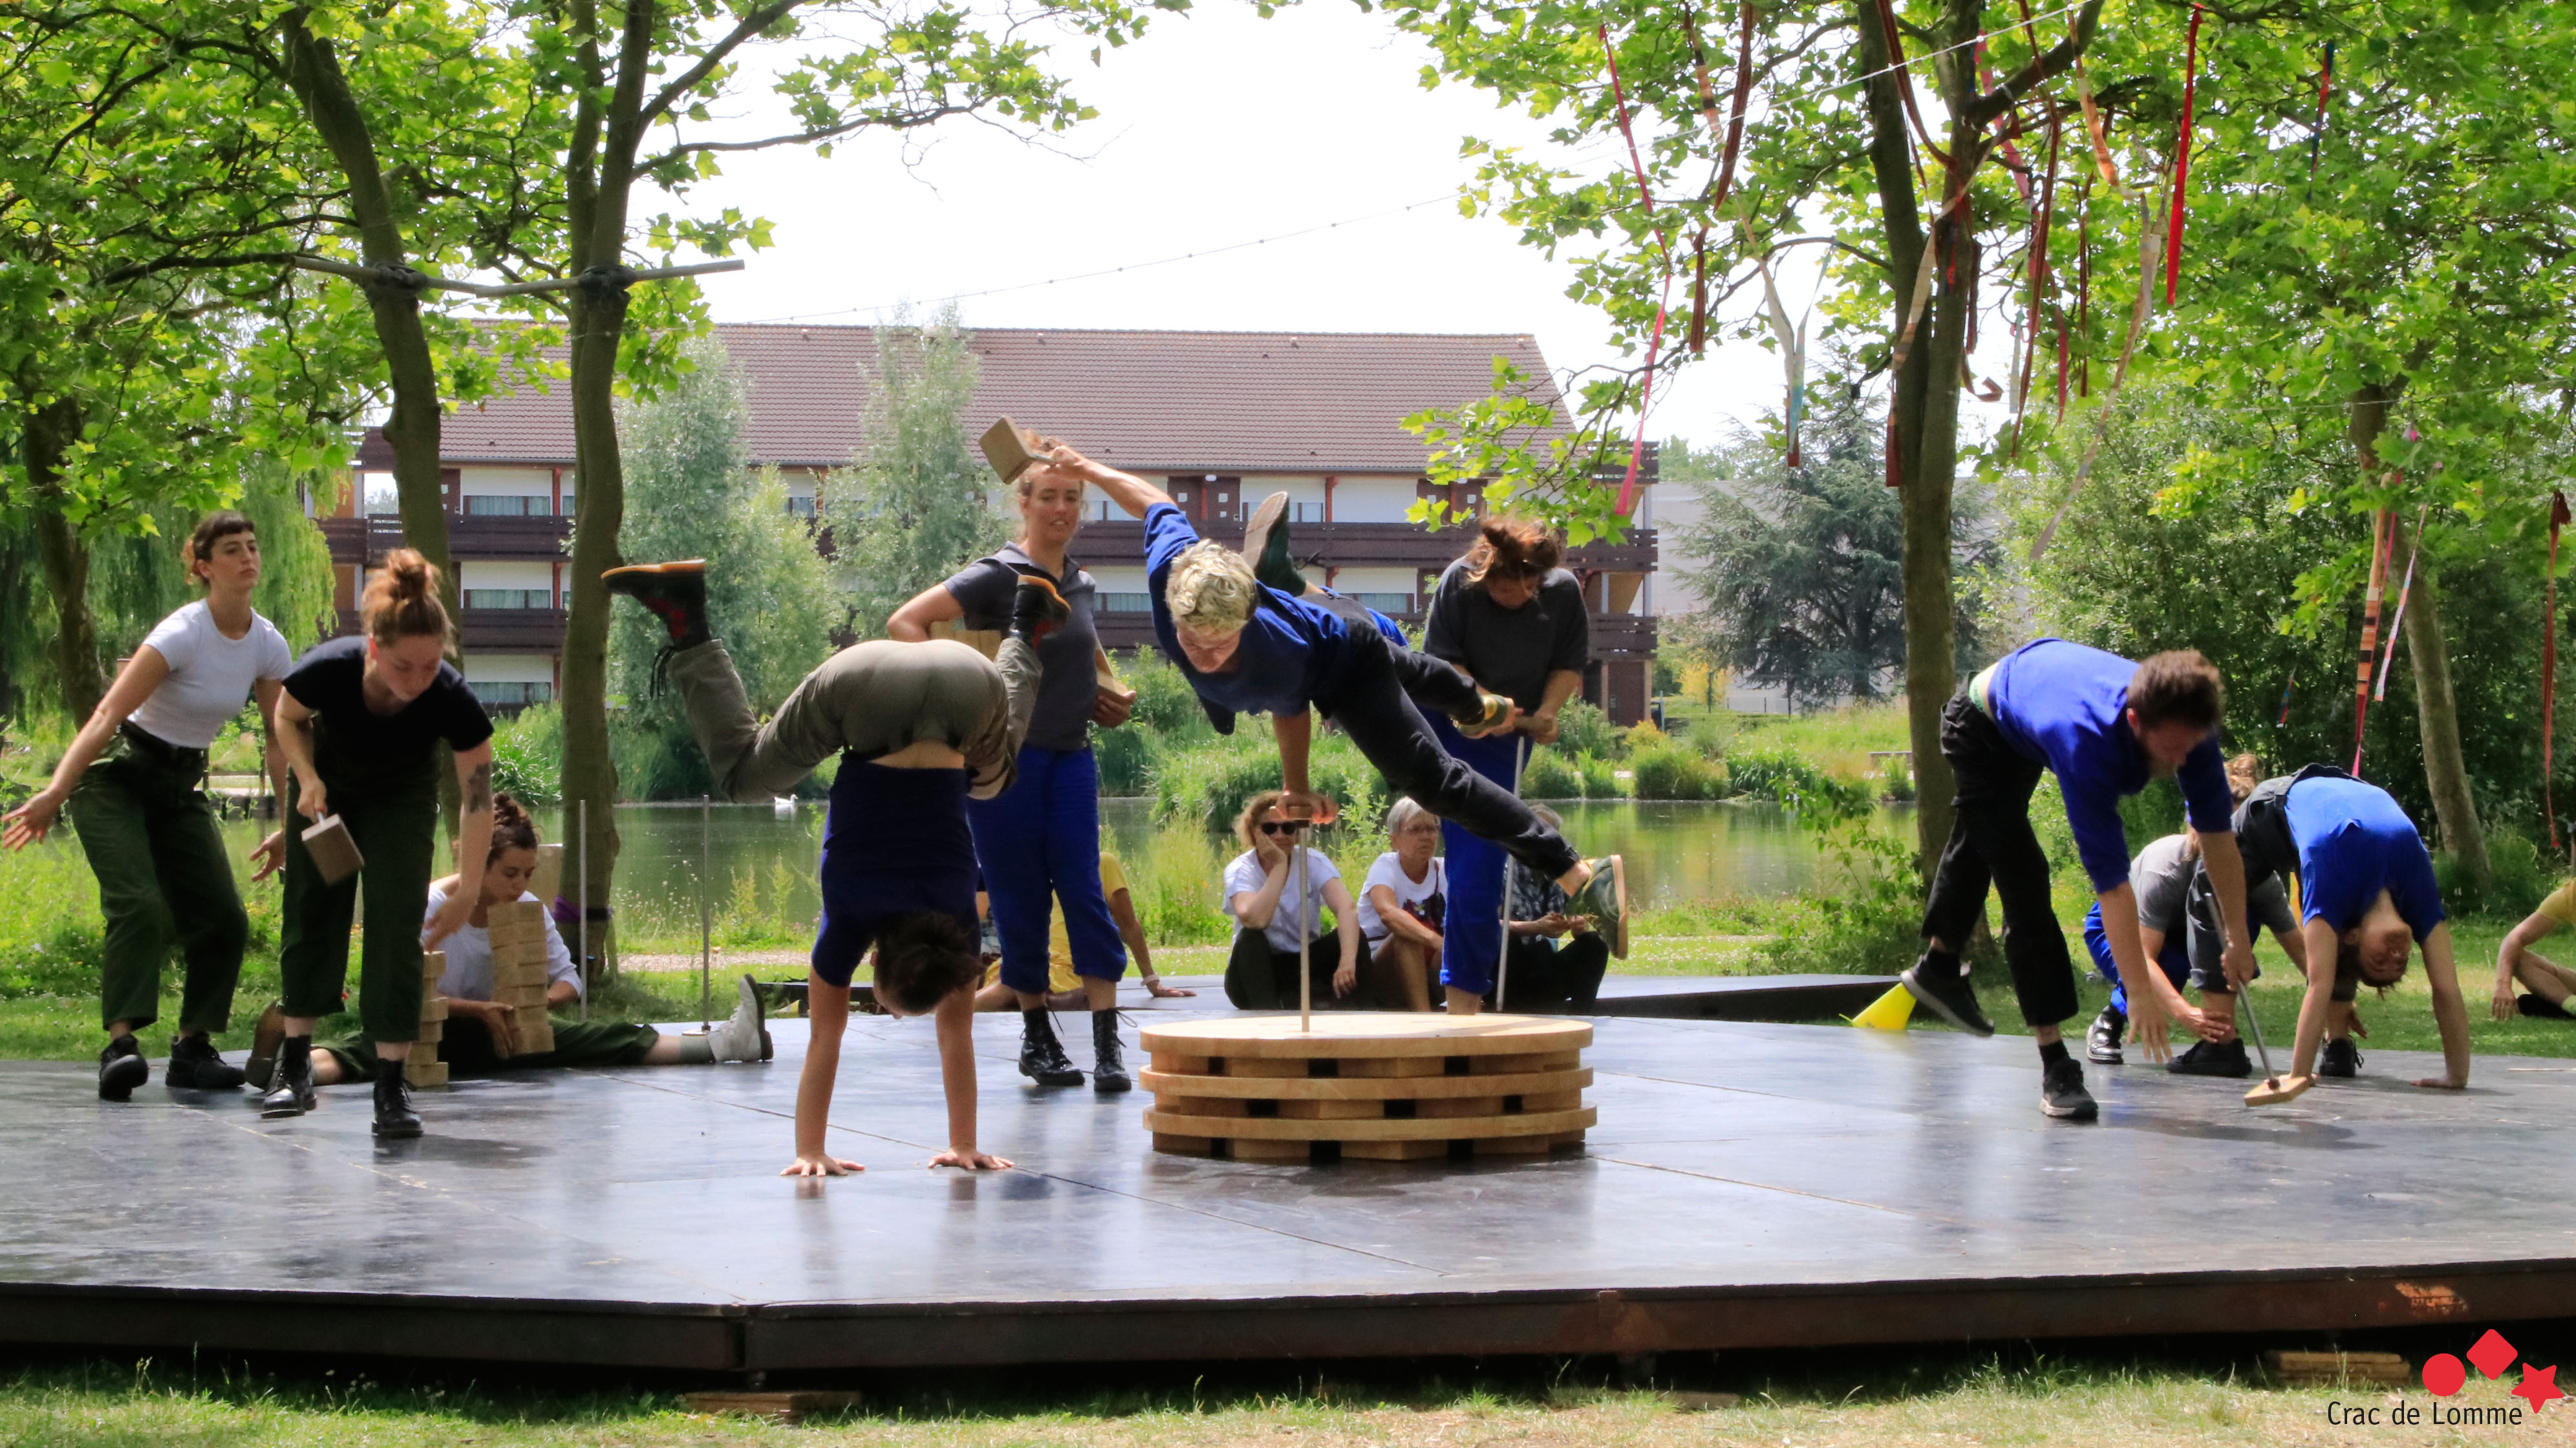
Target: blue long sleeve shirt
1291,652
2066,706
2355,841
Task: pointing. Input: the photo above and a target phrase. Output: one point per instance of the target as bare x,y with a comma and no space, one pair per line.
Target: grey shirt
1509,651
2174,893
985,587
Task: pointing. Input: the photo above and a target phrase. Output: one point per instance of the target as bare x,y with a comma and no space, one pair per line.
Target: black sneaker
2541,1007
195,1065
2340,1059
395,1120
2062,1093
265,1039
121,1068
2213,1058
2102,1039
1948,995
675,592
1265,547
291,1091
1042,1057
1108,1066
1037,609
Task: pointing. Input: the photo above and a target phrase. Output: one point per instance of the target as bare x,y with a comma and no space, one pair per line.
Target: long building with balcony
1220,419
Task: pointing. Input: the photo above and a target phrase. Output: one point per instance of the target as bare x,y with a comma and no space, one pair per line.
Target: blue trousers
1471,933
1038,843
2174,960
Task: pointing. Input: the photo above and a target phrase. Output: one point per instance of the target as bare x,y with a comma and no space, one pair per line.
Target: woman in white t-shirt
1402,905
131,780
1261,893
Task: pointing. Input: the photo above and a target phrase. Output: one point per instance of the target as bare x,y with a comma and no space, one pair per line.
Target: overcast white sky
1216,128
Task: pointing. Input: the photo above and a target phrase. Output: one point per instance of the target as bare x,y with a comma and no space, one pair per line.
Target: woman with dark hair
478,1041
1038,841
361,722
1510,616
131,781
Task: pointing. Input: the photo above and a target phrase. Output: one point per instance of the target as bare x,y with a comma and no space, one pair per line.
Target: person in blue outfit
2366,899
2104,726
1039,840
2178,930
1248,648
920,728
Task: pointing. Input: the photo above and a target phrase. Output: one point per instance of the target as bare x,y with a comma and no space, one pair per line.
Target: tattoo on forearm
478,789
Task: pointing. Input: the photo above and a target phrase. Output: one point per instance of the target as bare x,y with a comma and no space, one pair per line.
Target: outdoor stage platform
1748,1185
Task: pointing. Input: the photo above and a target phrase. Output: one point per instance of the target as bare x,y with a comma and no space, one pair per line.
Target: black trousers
1375,702
1556,977
1258,978
1992,843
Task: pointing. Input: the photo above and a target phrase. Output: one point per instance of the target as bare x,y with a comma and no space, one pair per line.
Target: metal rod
581,925
706,922
1305,947
357,273
2246,997
1503,952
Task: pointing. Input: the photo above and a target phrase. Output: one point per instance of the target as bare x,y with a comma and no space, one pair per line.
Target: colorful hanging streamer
2383,541
1793,356
1905,80
2396,621
2286,686
2558,518
2182,159
1725,184
2038,248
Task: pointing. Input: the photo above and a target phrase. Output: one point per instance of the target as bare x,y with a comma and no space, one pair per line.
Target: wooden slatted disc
1366,1088
1410,1128
1363,1034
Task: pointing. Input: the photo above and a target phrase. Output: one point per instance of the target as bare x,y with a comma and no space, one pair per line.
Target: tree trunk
2437,710
50,433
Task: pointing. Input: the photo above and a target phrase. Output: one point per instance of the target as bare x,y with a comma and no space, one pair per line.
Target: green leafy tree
911,508
697,496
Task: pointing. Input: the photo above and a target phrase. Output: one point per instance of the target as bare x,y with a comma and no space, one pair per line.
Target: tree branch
1985,109
749,27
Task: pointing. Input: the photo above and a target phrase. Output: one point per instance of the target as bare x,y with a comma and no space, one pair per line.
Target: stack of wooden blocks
519,974
423,1068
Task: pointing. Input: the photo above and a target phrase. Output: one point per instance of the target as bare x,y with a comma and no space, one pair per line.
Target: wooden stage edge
811,1336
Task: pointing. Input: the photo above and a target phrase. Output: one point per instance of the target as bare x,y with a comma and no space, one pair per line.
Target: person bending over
2547,984
1403,906
1066,990
2366,898
921,728
1247,648
477,1039
2178,931
2104,726
1556,961
1263,894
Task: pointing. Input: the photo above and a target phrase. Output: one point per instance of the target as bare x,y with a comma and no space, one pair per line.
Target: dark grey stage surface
1749,1184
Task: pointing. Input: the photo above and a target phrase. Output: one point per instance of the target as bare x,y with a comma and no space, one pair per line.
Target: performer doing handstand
921,727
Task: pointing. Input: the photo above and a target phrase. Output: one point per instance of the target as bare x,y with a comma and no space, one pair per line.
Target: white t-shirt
1245,876
469,955
1390,873
210,675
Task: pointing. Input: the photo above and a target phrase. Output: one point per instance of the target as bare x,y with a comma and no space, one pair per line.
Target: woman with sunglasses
1276,897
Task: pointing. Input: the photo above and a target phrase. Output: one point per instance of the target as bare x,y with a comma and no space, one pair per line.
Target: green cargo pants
467,1048
163,879
395,828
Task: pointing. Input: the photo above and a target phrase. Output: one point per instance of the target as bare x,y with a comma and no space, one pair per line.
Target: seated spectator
1064,988
2548,983
1262,894
1557,959
1401,906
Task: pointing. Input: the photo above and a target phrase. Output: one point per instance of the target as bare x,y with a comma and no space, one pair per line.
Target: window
511,505
1386,602
1123,603
1297,512
800,505
509,598
511,696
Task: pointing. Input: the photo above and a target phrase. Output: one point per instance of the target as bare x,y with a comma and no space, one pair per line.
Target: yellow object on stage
1889,1012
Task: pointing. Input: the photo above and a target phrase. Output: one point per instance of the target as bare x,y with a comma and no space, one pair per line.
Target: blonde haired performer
1250,649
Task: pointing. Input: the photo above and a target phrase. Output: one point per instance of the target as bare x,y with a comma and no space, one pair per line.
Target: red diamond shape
2539,1387
2492,1354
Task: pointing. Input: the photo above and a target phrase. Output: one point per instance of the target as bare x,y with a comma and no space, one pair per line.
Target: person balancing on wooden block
1249,648
2104,726
921,728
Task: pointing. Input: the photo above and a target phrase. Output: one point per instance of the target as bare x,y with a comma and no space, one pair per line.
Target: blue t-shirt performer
1039,840
921,728
2104,726
2366,898
1248,648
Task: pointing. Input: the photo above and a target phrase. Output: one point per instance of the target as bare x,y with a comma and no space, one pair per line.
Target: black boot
1042,1057
1108,1067
675,592
2103,1039
395,1120
121,1068
292,1095
1037,608
195,1065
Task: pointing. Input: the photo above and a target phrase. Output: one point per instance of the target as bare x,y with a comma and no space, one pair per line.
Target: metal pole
706,923
1503,952
1305,921
581,926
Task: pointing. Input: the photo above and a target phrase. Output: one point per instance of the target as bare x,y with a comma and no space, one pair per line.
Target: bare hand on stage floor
971,1160
271,855
1155,987
820,1165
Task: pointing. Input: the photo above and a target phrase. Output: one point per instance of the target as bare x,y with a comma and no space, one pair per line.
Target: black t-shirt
354,744
985,589
1510,651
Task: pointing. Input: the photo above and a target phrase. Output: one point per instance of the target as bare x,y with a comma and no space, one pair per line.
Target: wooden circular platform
1391,1086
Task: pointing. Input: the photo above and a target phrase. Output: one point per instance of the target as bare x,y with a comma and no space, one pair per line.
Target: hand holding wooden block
335,856
1010,448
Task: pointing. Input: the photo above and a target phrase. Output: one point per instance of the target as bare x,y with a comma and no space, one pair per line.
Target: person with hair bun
1515,620
361,722
1253,648
131,780
477,1040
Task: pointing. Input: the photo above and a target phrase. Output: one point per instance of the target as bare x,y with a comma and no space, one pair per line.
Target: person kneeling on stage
1403,908
1557,961
477,1039
2547,984
1261,893
2178,932
920,727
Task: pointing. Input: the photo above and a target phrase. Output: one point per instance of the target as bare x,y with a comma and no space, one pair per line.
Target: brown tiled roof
1154,402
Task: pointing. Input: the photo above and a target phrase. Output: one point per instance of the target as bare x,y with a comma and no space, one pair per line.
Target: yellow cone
1889,1012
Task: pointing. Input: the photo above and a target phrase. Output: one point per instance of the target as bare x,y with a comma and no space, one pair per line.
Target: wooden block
1395,1150
433,965
1404,1067
1332,1110
1256,1148
520,997
1513,1146
425,1073
1184,1145
789,1409
1514,1065
431,1033
1246,1066
511,938
516,912
1406,1128
1565,1139
1460,1106
1348,1035
1172,1063
433,1008
1202,1106
1561,1101
335,856
2329,1369
1369,1088
547,882
535,1043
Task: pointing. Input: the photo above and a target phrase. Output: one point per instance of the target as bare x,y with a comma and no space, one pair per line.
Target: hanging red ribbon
1905,80
2383,541
2182,159
2558,518
2286,686
2038,248
2397,620
1655,339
